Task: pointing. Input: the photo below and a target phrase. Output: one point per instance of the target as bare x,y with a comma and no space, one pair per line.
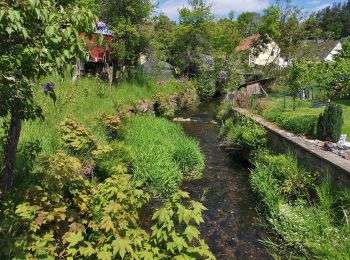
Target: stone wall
312,157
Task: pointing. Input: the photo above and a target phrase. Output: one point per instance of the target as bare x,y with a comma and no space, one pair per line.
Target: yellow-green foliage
176,229
76,137
63,212
110,123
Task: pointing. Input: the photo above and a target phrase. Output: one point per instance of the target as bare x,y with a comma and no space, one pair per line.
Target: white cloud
320,7
220,7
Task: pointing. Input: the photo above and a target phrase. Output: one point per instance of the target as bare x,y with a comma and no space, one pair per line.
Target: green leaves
33,3
121,246
176,228
73,238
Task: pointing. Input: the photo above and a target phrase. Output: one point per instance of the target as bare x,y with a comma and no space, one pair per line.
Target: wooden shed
258,87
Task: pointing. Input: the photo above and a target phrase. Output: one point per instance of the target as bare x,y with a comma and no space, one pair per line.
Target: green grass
310,218
305,110
165,155
83,100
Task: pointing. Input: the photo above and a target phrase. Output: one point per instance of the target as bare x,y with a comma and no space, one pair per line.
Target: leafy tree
126,19
344,53
198,12
282,23
334,20
297,79
36,38
224,37
312,28
162,37
340,78
248,23
192,36
330,123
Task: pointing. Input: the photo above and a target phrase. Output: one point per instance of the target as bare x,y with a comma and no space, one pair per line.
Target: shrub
206,87
244,134
77,138
164,106
330,123
224,111
188,99
65,216
299,125
293,181
110,123
164,154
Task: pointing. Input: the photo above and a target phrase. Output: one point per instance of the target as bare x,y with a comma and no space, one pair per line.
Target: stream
231,226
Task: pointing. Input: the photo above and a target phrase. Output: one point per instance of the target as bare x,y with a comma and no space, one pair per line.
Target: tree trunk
10,151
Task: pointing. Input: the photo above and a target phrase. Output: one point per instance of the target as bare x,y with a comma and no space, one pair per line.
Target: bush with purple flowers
101,25
49,87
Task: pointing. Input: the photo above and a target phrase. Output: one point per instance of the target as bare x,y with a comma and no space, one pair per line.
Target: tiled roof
247,43
320,50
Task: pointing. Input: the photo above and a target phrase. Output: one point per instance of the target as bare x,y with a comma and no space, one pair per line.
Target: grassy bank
83,100
303,120
84,173
311,218
308,217
165,155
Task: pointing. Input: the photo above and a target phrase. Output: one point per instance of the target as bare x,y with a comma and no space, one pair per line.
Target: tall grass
310,218
83,99
165,155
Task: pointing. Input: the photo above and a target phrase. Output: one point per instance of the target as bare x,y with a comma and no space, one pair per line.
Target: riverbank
80,196
308,214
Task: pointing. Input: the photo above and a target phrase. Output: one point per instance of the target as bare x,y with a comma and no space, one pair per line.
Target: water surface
231,227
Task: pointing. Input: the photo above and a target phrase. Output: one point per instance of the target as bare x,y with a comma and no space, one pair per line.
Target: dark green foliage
243,133
206,86
297,124
333,20
165,155
330,123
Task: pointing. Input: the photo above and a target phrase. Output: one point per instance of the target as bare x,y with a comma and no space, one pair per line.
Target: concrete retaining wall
312,157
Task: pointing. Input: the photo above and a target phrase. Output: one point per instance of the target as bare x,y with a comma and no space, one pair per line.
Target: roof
247,43
318,50
261,81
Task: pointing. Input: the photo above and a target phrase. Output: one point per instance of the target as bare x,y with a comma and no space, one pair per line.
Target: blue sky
222,7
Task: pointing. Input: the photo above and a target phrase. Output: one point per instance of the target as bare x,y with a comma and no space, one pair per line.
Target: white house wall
271,54
331,55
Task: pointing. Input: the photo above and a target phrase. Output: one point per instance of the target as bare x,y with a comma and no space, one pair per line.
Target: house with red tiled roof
260,55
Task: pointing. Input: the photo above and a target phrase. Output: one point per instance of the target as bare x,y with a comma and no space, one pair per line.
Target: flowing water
231,228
